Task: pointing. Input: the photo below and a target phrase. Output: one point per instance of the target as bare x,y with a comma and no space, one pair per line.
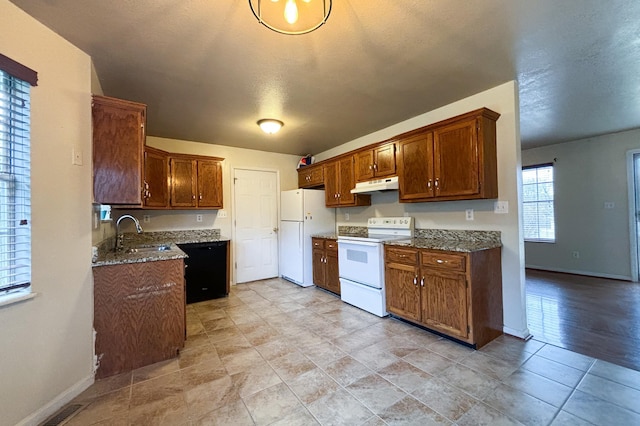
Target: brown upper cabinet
196,182
376,162
156,178
339,180
118,142
311,176
453,160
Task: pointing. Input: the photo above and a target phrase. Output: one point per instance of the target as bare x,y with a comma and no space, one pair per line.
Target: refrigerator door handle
300,238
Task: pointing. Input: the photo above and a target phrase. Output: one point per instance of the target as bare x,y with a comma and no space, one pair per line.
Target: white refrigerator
302,214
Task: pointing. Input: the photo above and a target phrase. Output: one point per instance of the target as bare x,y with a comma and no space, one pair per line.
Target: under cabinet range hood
386,184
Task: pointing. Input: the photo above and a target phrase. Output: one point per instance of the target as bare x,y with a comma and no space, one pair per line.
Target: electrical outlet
346,217
76,156
609,204
501,207
469,214
222,213
576,254
146,218
198,218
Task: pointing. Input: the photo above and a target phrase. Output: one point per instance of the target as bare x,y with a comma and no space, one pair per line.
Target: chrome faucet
119,236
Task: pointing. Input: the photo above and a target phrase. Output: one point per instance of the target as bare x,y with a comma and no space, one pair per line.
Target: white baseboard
577,272
57,403
522,334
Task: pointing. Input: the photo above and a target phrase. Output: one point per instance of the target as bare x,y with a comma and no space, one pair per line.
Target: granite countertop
456,240
326,235
107,256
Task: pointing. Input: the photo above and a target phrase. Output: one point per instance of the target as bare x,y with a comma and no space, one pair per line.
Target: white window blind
15,185
537,203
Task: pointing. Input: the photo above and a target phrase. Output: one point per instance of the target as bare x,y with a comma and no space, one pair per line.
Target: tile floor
273,353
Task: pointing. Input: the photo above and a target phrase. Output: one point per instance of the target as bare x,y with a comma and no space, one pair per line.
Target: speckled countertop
107,256
358,231
451,240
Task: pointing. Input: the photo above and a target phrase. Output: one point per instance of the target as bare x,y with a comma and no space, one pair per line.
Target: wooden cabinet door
402,290
444,302
385,160
331,184
310,177
415,168
183,182
156,173
318,268
363,165
332,276
209,184
118,141
346,181
456,165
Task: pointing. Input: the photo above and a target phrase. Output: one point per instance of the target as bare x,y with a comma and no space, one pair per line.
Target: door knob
275,229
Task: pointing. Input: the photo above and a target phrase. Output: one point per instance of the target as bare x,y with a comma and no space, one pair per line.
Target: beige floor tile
507,350
271,404
339,408
213,314
231,345
483,415
323,354
375,392
217,324
563,356
428,361
470,381
255,379
555,371
539,387
201,373
404,375
520,406
104,407
242,360
194,329
106,385
155,370
209,396
374,421
351,342
169,411
198,355
610,391
234,413
223,334
444,399
616,373
276,348
599,411
493,367
411,412
347,370
566,419
374,357
451,350
292,365
312,385
298,417
261,335
196,340
156,389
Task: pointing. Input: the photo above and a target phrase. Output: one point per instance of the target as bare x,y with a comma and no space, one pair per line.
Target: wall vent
63,414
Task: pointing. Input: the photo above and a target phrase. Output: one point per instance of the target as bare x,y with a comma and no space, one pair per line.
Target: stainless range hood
386,184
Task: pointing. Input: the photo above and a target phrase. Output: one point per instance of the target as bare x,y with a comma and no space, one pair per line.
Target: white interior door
256,224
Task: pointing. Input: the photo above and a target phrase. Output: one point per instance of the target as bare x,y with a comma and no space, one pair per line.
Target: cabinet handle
370,166
339,195
422,282
375,166
436,183
441,261
415,280
429,184
193,197
201,196
402,255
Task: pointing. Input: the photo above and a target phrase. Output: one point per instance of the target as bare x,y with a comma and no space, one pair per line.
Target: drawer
317,243
401,255
331,245
445,260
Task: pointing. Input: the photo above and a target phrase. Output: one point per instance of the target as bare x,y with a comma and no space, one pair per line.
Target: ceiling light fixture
270,125
284,17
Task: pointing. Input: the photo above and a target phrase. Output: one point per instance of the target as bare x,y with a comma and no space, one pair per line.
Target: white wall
451,215
587,173
46,343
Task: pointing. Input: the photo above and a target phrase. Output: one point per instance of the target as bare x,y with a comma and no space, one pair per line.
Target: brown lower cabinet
325,264
456,294
139,314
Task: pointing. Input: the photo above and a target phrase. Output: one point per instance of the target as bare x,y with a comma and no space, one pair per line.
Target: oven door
362,262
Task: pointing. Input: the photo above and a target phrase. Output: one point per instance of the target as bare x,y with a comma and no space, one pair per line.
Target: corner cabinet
339,180
118,142
310,177
375,163
196,182
325,264
453,160
455,294
139,314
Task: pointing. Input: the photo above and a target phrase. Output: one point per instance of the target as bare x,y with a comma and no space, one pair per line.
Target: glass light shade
270,125
292,17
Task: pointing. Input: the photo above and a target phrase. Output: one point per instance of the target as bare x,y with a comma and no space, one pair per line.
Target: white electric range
361,262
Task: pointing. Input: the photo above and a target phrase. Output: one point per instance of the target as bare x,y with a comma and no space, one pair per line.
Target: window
537,196
15,173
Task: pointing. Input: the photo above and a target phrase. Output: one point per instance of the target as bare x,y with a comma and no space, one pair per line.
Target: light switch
501,207
222,213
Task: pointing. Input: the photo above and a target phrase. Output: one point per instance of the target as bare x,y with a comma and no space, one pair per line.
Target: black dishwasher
206,272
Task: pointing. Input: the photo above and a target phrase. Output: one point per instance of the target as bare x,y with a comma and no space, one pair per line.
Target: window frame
553,200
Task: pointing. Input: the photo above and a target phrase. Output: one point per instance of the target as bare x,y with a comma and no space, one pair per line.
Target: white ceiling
208,71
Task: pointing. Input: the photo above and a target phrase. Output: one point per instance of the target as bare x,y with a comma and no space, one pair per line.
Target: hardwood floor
593,316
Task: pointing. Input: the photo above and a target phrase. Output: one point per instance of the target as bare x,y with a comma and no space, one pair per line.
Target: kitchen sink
149,248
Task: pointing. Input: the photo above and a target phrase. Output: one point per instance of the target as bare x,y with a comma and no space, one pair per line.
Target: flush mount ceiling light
291,17
270,125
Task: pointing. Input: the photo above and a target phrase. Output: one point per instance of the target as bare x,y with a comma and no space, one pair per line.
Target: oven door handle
345,243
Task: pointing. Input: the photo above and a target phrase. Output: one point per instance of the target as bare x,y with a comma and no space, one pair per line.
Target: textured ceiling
208,71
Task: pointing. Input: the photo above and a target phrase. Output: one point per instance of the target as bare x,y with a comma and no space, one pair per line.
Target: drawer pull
441,261
422,282
415,280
